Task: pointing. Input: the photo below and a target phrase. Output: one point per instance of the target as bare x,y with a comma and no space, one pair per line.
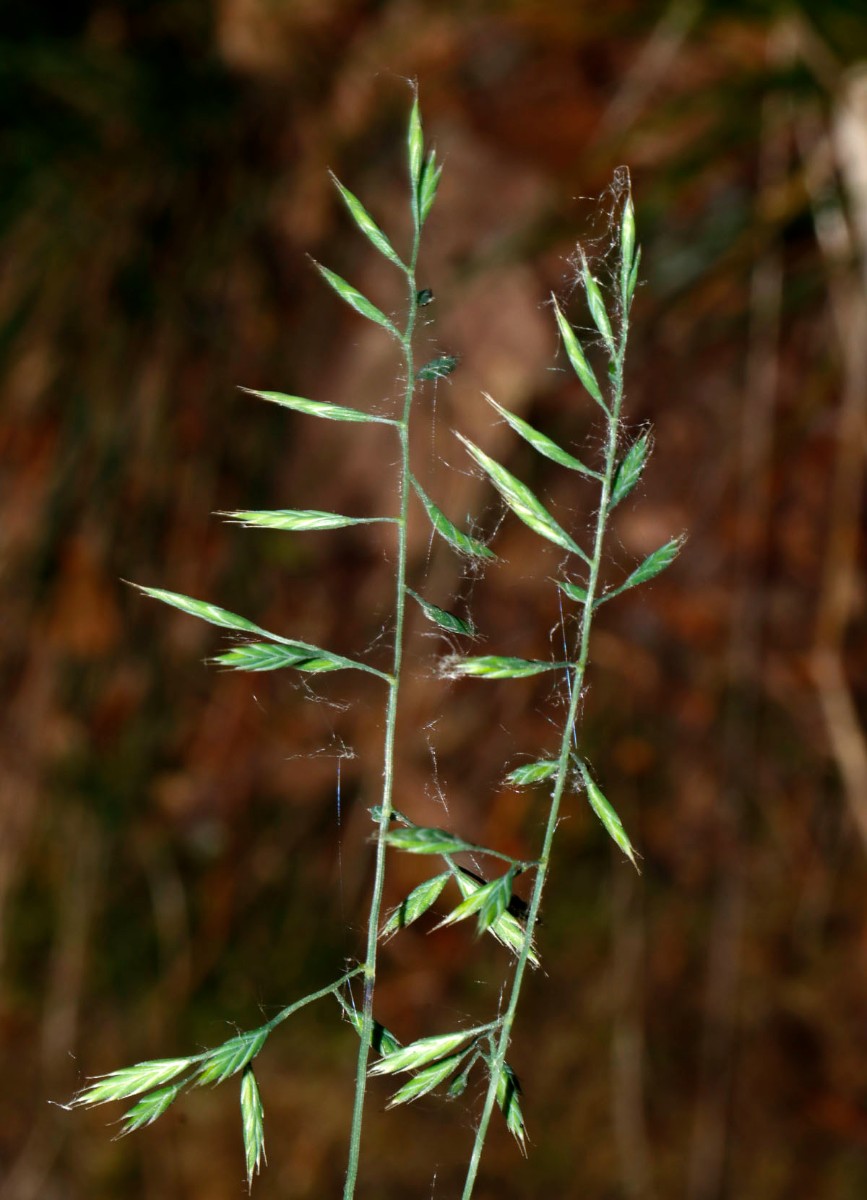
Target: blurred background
183,851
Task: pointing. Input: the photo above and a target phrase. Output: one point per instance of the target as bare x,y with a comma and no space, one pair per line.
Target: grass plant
446,1060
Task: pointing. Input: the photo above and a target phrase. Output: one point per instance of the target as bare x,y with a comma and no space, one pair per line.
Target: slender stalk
373,920
287,1012
575,677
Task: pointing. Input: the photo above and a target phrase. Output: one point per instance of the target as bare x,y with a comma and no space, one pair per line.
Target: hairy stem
575,680
373,921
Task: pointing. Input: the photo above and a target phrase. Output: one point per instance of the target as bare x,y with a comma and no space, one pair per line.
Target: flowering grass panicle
441,1061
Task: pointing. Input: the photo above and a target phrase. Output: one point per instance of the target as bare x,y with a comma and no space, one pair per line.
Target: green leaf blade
439,616
596,304
575,354
416,904
459,1085
541,443
497,666
633,277
252,1125
149,1108
497,902
427,1079
202,609
457,539
296,520
430,181
319,408
259,656
508,1093
438,368
356,300
508,930
418,1054
383,1040
418,839
256,656
653,565
231,1057
367,225
471,904
607,815
630,469
523,503
573,591
415,148
130,1081
627,247
489,902
534,772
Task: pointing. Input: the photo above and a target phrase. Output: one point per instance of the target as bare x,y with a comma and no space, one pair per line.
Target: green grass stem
575,676
386,802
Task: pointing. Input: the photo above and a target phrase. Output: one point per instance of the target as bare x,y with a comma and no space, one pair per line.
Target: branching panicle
443,1060
616,480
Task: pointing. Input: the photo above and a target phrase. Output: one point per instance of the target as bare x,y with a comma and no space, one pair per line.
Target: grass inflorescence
444,1061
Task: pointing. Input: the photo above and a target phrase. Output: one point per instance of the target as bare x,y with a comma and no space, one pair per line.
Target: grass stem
386,803
575,678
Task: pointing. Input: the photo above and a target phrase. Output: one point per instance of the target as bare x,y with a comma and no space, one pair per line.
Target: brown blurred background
181,850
